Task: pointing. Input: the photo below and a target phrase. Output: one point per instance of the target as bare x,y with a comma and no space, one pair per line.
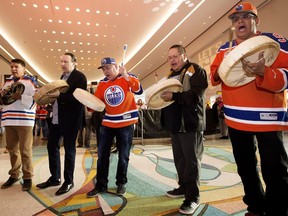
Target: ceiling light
46,6
67,8
88,11
69,22
35,5
23,4
60,21
107,13
79,23
98,12
57,7
50,20
77,9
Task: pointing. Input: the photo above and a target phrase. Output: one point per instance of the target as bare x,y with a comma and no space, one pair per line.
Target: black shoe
121,190
95,192
48,183
9,182
64,188
176,193
87,146
27,184
79,146
224,137
188,207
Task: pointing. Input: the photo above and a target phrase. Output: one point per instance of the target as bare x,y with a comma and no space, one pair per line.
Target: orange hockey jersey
118,96
261,104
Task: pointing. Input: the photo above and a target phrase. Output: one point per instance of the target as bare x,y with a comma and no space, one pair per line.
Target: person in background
117,91
66,121
185,119
221,118
140,104
37,125
261,114
18,118
43,122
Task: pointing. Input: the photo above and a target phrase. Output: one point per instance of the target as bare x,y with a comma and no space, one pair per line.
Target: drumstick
124,52
231,31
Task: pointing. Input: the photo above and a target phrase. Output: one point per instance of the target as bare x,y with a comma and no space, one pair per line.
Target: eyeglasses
173,57
244,16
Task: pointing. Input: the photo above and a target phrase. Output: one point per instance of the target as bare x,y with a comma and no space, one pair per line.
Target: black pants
54,145
274,164
187,152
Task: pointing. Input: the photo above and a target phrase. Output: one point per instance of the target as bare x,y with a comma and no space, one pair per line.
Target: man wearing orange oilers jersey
117,91
258,109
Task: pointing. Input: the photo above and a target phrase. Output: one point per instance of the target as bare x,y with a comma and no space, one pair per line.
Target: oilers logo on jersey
114,95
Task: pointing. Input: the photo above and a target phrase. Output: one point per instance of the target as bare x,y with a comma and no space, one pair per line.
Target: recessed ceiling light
60,21
53,32
107,12
57,7
77,9
67,8
88,24
88,11
35,5
46,6
69,22
79,23
23,4
98,12
50,20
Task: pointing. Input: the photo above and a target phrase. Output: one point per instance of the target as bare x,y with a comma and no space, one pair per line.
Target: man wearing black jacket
66,121
185,119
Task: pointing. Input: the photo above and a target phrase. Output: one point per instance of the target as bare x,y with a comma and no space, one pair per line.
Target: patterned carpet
151,173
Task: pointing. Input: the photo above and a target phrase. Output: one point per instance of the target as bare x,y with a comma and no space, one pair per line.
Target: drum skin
6,97
231,71
41,97
153,99
89,100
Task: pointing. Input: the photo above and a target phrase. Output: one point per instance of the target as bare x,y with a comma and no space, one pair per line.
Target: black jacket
70,110
188,110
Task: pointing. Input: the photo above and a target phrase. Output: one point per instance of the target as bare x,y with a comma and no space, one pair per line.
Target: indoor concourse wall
5,69
202,51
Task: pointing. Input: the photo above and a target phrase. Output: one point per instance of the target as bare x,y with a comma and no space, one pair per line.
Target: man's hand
54,94
167,95
16,96
123,72
256,68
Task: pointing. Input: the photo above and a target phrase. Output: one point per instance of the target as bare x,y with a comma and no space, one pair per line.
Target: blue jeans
124,137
